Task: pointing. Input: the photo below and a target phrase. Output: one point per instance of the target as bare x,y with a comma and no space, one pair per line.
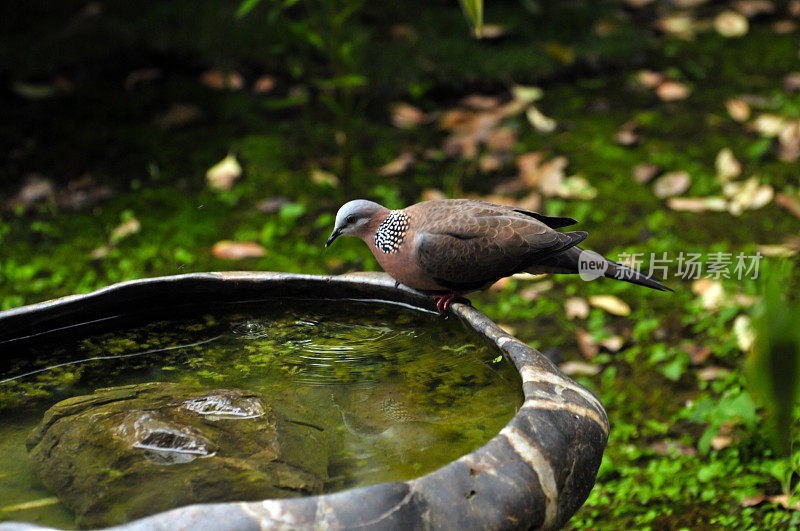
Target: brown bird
453,246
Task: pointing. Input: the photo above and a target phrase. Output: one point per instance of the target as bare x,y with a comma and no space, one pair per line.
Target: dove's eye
350,220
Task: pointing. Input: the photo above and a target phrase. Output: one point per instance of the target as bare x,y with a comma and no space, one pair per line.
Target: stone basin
535,474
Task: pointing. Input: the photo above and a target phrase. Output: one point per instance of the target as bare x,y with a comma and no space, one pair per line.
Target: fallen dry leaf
492,31
539,121
789,202
672,91
698,204
627,135
738,110
698,354
481,102
526,94
720,442
751,8
752,501
681,26
579,368
491,162
399,165
432,194
784,27
649,79
611,304
501,139
708,374
500,285
534,290
272,205
34,190
644,172
672,184
231,250
586,344
178,115
779,250
224,173
140,76
576,187
711,292
324,178
451,120
98,253
667,448
123,230
264,84
728,168
731,24
744,333
768,125
220,80
778,499
576,307
405,116
789,142
747,195
792,82
613,343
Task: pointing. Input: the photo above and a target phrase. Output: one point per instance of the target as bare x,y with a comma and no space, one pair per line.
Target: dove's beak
335,234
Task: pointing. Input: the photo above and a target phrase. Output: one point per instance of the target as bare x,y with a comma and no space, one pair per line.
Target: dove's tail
626,274
574,261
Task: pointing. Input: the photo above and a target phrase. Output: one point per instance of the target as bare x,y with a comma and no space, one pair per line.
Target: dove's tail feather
626,274
568,262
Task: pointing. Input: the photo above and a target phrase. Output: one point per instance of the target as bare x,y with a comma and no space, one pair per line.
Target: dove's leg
443,301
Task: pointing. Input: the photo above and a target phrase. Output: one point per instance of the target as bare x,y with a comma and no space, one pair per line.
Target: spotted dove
454,246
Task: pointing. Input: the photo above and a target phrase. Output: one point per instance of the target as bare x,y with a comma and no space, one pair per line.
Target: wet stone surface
110,456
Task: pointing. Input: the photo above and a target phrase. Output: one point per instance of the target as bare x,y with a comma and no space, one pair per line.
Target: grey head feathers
352,216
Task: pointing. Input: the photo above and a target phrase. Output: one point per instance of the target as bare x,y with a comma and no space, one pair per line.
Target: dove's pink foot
443,301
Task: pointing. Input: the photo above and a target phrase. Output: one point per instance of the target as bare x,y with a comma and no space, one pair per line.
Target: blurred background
154,138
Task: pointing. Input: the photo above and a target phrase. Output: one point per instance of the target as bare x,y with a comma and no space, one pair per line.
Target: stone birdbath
534,474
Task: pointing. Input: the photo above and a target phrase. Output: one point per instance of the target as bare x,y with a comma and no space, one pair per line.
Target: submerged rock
127,452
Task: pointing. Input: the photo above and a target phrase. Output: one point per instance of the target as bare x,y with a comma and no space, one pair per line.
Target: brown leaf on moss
405,116
264,84
501,139
672,91
576,307
644,172
401,164
124,229
480,102
698,354
649,79
738,109
627,135
220,80
672,184
586,344
231,250
610,304
579,368
789,202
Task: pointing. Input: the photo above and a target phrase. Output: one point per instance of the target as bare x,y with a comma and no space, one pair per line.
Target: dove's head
355,219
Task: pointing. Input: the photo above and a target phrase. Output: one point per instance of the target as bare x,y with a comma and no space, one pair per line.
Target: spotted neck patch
392,232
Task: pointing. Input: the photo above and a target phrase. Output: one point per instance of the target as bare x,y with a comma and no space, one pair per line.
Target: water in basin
324,395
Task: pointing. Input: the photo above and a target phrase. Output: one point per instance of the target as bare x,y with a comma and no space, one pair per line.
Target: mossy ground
659,471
